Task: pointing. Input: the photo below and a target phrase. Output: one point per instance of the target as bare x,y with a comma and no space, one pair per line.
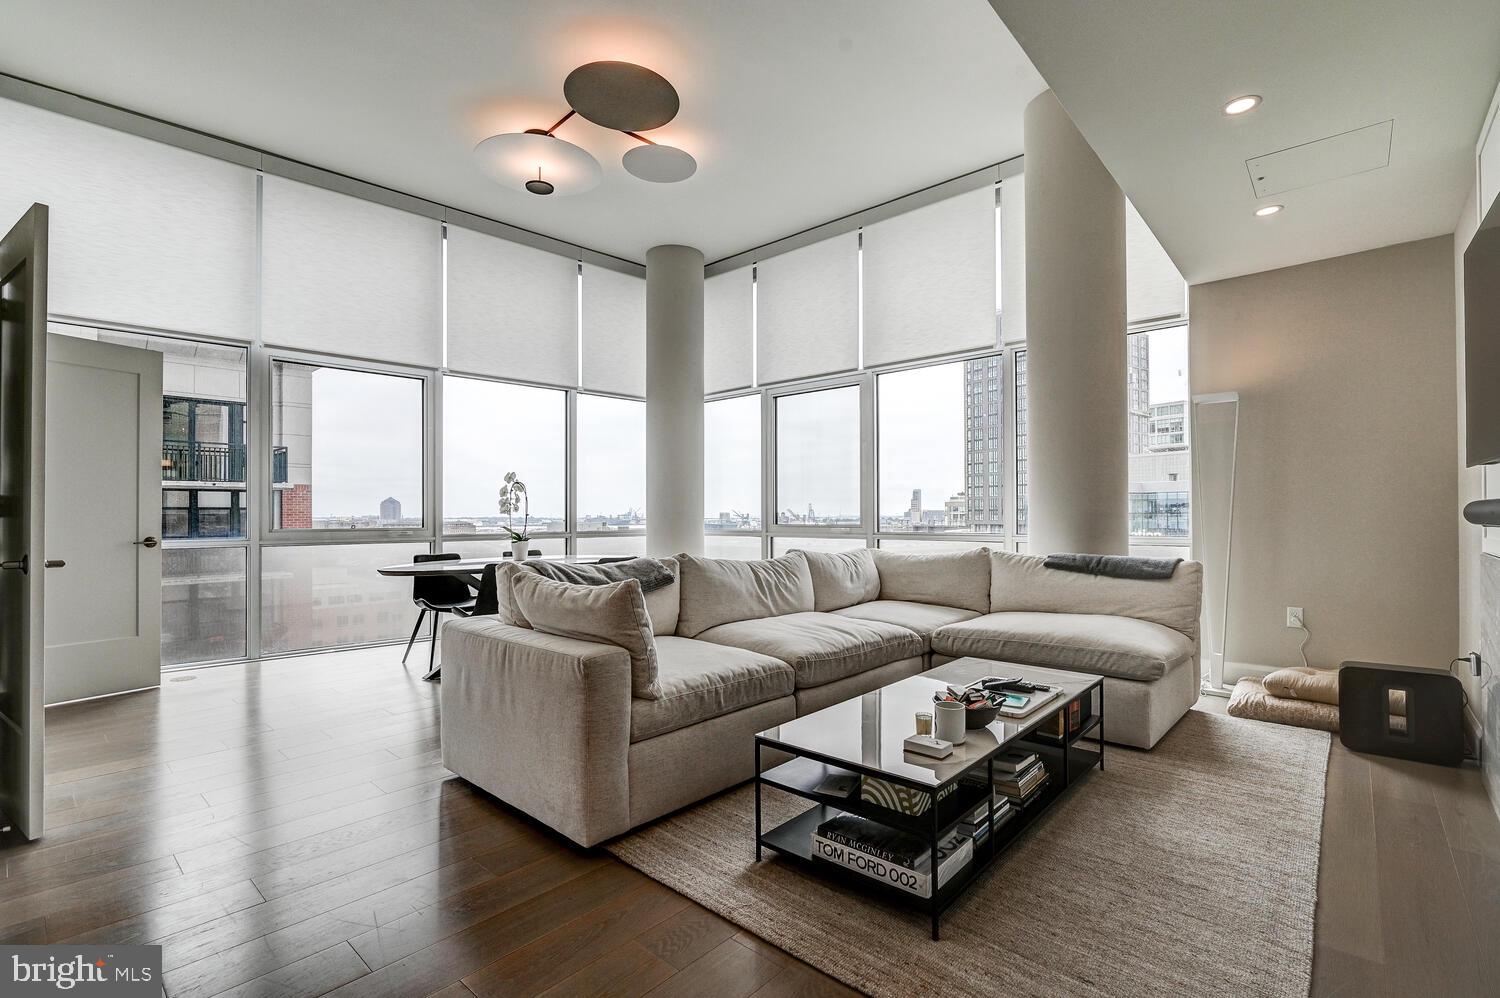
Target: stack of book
976,824
1018,774
890,855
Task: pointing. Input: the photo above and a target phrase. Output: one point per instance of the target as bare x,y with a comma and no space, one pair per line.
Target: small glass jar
924,723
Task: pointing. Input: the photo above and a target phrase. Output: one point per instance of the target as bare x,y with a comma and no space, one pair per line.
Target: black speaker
1427,727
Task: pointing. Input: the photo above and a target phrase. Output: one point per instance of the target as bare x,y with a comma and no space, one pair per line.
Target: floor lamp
1214,438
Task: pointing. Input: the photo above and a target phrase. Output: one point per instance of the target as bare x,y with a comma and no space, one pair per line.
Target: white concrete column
1075,341
674,400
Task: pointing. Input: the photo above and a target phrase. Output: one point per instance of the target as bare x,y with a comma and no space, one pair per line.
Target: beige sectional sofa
560,728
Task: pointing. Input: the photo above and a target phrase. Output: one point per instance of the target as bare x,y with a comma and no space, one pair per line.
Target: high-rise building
1168,427
984,445
914,514
390,510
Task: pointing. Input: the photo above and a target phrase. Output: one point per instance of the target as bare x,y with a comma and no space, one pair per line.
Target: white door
103,516
23,393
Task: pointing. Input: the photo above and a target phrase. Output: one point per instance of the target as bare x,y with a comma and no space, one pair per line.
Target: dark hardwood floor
287,829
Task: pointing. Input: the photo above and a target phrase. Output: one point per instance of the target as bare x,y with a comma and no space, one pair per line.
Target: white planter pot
518,550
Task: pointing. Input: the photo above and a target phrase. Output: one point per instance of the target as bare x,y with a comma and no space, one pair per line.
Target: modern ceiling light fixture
620,96
1242,105
1267,210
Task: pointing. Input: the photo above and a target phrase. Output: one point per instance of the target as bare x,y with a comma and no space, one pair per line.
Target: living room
752,499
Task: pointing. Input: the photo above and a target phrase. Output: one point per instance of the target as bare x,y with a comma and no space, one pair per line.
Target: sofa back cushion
843,578
1020,582
614,614
661,603
721,590
959,579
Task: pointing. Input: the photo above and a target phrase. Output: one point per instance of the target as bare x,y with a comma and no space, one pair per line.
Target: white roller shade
614,331
140,233
347,276
807,311
1153,288
929,280
728,331
512,309
1013,260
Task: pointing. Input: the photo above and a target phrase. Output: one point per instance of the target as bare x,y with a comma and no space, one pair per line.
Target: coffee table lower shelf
793,838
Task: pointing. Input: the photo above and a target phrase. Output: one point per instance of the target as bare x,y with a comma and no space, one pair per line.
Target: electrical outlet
1294,616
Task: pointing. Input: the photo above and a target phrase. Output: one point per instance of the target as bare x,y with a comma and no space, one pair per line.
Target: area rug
1188,870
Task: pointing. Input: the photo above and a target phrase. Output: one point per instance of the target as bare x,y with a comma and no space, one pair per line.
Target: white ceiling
1145,83
797,112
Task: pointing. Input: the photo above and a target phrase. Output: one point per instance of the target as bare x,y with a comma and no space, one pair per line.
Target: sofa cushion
661,603
1020,582
614,613
700,680
722,590
959,579
923,618
842,578
1102,645
820,647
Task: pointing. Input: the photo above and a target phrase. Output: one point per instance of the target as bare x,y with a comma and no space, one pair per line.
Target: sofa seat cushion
820,647
701,680
923,618
1100,644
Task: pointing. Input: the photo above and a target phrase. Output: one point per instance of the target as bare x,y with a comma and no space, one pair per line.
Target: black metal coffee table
863,737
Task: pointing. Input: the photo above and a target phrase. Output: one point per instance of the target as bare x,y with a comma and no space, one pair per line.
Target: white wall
1345,494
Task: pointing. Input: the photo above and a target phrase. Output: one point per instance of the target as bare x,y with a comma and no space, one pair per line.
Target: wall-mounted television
1482,342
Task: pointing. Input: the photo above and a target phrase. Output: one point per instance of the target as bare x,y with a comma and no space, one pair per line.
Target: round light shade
518,158
660,164
1242,105
621,95
1266,210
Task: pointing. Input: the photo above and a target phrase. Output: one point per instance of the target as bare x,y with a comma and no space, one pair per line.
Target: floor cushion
1101,644
820,647
1298,683
923,618
700,680
1250,700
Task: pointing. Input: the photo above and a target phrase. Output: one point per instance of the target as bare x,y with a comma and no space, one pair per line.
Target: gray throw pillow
722,590
614,614
842,579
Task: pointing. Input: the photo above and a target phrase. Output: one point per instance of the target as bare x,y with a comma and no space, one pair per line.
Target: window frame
262,451
763,535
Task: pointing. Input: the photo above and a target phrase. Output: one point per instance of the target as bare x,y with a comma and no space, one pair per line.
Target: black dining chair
438,594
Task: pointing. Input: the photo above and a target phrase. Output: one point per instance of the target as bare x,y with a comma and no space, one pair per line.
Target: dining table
472,572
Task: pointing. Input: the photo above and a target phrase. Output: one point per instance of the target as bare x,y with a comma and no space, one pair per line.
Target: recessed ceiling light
1240,105
1268,209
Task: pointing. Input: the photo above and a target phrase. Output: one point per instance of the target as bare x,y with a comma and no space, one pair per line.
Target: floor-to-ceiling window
491,429
611,447
1160,461
732,523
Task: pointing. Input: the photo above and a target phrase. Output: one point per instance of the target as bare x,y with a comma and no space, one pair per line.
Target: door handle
54,563
18,565
149,542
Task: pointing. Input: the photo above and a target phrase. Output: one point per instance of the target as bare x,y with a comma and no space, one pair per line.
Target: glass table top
869,730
